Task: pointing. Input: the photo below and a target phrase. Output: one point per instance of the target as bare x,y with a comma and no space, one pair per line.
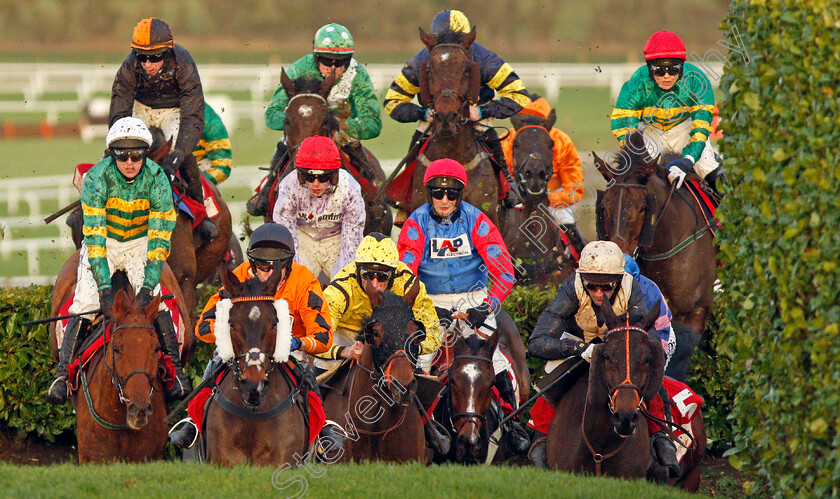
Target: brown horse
531,233
663,227
449,84
119,402
252,418
376,394
598,426
191,262
308,114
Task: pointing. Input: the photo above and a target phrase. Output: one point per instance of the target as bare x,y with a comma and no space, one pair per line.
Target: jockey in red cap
671,102
323,207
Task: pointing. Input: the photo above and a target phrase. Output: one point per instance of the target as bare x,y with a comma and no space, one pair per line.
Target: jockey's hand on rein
677,170
477,315
144,296
106,300
172,162
296,344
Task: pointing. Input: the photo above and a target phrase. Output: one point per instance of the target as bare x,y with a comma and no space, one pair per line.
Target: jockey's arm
206,326
123,92
558,318
627,112
214,148
93,200
565,187
702,110
499,76
352,224
405,86
411,244
315,314
191,107
285,213
162,220
365,122
338,301
488,242
275,113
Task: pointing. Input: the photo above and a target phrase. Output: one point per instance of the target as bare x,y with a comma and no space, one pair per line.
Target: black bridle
531,158
471,417
120,381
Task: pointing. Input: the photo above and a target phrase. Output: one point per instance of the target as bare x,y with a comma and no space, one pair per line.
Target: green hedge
780,245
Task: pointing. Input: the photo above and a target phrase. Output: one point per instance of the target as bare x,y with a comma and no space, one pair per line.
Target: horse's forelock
305,84
450,37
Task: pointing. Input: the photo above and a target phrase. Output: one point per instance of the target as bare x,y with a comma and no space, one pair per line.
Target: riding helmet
272,242
333,41
128,133
377,251
152,36
450,20
664,45
601,262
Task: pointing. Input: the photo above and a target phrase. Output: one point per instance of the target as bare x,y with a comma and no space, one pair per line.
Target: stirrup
188,423
55,398
338,436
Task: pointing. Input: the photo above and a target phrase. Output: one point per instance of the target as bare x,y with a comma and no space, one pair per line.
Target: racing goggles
144,58
379,275
452,193
606,287
659,70
133,154
333,63
310,177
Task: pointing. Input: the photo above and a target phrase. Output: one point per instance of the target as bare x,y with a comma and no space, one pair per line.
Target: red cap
445,168
318,153
663,45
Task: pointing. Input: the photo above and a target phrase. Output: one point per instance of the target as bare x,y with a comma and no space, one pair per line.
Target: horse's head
627,209
393,338
131,356
308,113
253,332
628,366
471,378
533,155
449,80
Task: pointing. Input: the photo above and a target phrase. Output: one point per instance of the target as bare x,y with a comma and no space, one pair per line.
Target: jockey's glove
586,354
145,296
477,315
677,170
296,344
475,113
428,114
106,299
172,162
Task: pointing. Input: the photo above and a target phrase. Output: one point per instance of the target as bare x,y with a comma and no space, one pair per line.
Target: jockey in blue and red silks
453,248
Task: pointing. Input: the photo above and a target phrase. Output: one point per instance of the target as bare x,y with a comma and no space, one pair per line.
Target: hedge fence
26,371
780,245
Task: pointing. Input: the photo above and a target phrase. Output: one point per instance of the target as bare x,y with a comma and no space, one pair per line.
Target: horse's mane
393,313
633,161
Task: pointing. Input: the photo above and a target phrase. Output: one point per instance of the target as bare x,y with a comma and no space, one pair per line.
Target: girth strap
250,415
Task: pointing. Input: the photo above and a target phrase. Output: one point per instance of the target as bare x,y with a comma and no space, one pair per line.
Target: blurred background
58,59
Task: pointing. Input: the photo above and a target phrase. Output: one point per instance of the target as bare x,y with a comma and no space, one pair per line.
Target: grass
167,479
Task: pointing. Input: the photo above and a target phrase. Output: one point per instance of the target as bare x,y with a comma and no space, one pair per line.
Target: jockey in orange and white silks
323,207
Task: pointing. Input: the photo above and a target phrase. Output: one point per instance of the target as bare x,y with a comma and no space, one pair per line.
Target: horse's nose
624,422
136,416
406,396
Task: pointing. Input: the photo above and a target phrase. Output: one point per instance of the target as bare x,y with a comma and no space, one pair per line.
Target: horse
376,394
121,416
598,426
308,114
465,409
192,262
663,228
531,233
449,83
248,419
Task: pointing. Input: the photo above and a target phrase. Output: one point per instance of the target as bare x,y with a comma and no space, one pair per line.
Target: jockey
212,153
377,262
323,207
654,298
352,96
671,102
452,247
496,77
272,250
565,187
571,316
128,220
158,82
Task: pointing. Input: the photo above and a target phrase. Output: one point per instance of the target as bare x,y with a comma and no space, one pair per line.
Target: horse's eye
528,174
543,175
116,350
605,356
648,360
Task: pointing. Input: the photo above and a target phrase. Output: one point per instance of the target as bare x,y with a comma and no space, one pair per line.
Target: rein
470,416
372,373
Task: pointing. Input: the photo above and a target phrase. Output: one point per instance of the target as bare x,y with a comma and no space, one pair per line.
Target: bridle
325,124
448,93
120,381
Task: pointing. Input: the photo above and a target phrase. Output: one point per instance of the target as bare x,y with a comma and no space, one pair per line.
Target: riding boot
207,229
517,439
497,158
712,178
166,334
537,452
331,430
575,237
436,437
358,159
185,437
74,333
664,452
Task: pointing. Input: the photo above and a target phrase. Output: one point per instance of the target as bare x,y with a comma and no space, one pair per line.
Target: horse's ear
288,84
469,38
229,280
650,318
605,313
152,308
552,118
411,296
428,40
326,85
123,304
270,286
602,166
656,370
158,154
374,295
492,341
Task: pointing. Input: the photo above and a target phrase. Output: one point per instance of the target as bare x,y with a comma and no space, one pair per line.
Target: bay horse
449,83
376,394
598,426
120,403
465,407
308,114
663,228
531,233
191,262
256,414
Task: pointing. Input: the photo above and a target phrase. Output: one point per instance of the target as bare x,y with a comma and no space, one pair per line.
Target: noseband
471,417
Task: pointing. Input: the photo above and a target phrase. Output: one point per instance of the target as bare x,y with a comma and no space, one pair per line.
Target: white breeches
168,119
318,256
660,141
